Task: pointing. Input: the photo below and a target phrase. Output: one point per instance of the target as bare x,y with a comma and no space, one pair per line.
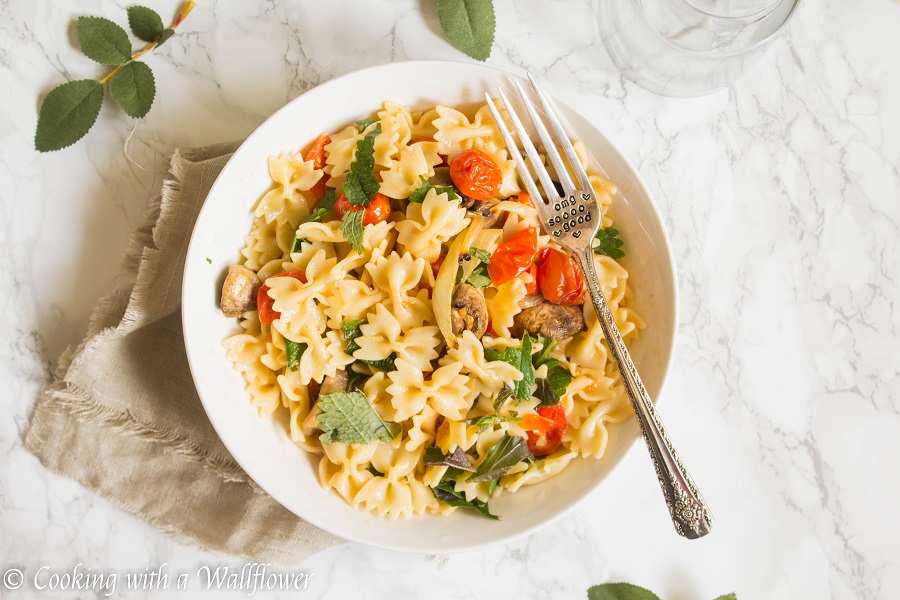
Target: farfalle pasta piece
403,175
345,467
398,275
539,471
503,305
397,492
383,335
445,391
291,175
456,133
430,224
245,351
489,376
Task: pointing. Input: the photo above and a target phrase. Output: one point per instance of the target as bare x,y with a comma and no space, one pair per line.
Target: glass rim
747,15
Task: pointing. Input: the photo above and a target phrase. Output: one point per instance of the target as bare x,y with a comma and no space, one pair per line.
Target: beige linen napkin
122,415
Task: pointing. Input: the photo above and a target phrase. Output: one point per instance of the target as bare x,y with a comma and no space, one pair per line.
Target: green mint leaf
351,330
418,196
469,25
328,200
610,244
133,88
361,185
482,255
67,113
457,459
620,591
731,596
375,471
297,245
164,36
490,420
505,394
316,215
385,364
347,417
356,380
363,123
509,451
480,277
545,393
352,228
520,358
294,351
446,494
493,486
543,356
560,379
145,23
102,40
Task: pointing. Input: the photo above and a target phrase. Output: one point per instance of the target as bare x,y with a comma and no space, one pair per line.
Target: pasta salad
430,343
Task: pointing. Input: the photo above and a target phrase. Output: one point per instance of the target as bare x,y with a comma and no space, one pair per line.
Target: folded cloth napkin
122,415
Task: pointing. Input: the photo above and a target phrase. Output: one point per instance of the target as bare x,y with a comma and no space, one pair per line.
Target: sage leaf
102,40
349,418
509,451
67,113
469,25
145,23
457,459
133,88
620,591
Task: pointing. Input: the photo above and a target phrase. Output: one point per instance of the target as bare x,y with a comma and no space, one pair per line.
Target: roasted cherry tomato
436,265
536,423
378,210
264,303
475,174
542,444
560,278
532,287
317,155
524,197
513,256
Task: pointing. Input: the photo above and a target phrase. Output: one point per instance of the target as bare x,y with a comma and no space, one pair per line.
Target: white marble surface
782,199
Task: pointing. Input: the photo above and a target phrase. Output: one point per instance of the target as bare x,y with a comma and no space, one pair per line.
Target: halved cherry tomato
475,174
436,265
532,287
513,256
560,278
317,154
536,423
542,444
524,197
264,303
490,329
378,210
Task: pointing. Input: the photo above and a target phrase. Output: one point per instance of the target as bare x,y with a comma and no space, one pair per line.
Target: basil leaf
294,351
457,459
296,246
469,25
610,244
488,421
446,494
349,418
620,591
362,124
480,278
509,451
385,364
361,185
482,255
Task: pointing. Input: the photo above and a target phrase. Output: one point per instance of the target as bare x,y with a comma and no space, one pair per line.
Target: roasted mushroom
484,208
239,291
554,321
331,384
469,311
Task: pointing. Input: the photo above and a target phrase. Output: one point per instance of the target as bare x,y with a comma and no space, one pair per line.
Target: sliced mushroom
554,321
239,291
487,209
336,383
469,311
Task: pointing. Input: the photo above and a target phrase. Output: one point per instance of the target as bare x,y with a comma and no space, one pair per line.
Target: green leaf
543,357
363,123
294,351
361,185
492,487
480,277
164,36
620,591
375,471
610,244
67,113
328,200
731,596
133,88
418,196
457,459
490,420
352,330
559,379
545,393
469,25
347,417
459,275
505,394
520,358
509,451
145,23
446,494
297,245
482,255
385,364
102,40
316,215
352,228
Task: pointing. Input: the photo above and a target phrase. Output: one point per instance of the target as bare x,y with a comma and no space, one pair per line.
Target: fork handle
689,512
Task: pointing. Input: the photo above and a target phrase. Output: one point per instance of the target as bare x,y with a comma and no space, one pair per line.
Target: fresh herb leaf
209,260
361,185
418,196
505,394
545,393
315,216
349,418
145,23
482,255
543,356
352,228
520,358
133,88
102,40
493,486
294,351
446,494
610,244
731,596
551,389
480,277
451,475
459,274
328,199
385,364
363,123
352,330
457,459
297,245
469,25
509,451
488,421
355,380
620,591
375,471
67,113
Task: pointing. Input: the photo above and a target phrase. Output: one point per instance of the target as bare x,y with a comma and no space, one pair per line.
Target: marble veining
782,200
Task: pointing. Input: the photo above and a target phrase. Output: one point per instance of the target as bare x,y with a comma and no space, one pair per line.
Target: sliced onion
443,286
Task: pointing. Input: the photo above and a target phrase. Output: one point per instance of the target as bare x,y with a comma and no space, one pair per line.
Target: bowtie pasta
400,303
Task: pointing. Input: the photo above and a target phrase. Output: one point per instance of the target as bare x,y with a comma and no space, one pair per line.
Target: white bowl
262,446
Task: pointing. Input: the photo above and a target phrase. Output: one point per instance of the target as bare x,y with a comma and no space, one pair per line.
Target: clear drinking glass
690,47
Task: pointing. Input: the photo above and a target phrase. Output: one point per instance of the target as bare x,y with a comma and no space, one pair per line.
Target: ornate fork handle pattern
689,512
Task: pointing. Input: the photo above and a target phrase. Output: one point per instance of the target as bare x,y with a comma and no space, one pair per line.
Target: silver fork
573,219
